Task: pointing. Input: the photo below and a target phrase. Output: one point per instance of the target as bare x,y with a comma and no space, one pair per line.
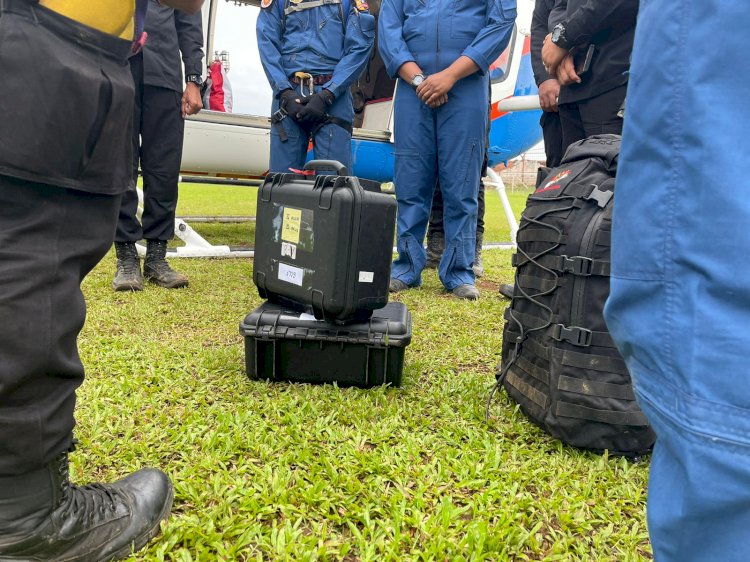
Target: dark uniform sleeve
190,37
558,14
539,30
597,15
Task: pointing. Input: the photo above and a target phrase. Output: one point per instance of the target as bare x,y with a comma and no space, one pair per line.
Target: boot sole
141,541
176,285
129,287
466,298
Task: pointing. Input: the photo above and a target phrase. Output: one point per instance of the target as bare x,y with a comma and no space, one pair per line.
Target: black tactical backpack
558,359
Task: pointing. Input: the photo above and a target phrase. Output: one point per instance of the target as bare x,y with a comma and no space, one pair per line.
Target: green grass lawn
296,472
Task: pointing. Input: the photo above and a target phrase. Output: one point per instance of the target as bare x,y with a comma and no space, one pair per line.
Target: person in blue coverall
312,51
441,50
679,308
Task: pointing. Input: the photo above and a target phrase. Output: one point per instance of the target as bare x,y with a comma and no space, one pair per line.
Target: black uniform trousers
592,116
552,133
50,238
158,131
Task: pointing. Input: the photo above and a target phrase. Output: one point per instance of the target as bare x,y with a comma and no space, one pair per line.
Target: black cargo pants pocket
66,112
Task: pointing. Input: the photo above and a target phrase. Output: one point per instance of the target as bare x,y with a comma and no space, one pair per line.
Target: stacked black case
323,250
324,242
282,344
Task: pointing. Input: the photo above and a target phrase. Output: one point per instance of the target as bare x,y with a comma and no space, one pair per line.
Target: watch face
557,33
417,80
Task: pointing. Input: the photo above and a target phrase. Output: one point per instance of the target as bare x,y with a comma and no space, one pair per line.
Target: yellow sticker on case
291,225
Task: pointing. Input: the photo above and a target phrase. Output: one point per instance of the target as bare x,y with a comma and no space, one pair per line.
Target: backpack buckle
575,335
577,265
600,196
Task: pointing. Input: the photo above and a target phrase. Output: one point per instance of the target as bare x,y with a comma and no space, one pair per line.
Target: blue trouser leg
461,132
292,152
332,142
414,176
679,307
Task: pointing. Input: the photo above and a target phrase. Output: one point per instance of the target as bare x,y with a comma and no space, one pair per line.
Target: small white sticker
288,249
291,274
308,317
366,276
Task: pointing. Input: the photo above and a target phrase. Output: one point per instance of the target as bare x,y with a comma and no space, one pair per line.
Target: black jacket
610,25
542,23
171,32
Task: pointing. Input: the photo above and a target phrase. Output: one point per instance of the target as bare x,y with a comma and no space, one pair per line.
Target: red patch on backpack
549,187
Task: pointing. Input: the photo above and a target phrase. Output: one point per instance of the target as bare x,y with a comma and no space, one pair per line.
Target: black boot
435,247
128,276
506,289
478,266
44,517
466,291
157,270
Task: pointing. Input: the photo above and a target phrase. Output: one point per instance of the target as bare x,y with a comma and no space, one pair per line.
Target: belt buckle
305,77
279,115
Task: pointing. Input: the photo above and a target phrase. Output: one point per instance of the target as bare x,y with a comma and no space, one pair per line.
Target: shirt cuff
393,67
479,59
334,88
574,33
542,79
194,69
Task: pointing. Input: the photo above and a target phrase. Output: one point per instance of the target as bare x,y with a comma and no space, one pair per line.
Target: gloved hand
316,108
291,102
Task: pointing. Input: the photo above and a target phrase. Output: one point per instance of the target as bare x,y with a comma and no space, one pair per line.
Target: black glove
291,102
316,108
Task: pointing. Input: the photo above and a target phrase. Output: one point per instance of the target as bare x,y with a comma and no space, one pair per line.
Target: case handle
316,165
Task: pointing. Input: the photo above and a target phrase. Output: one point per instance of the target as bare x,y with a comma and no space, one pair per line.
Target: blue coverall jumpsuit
446,143
314,39
679,308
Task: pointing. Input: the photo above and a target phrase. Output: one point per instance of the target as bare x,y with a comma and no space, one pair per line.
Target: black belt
318,80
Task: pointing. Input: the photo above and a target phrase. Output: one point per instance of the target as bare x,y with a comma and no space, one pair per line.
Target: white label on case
288,249
309,317
366,276
291,274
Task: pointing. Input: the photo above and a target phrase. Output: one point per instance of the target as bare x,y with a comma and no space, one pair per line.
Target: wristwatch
559,37
194,78
417,80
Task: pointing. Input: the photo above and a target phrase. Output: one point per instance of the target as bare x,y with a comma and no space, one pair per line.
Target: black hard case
282,345
325,242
